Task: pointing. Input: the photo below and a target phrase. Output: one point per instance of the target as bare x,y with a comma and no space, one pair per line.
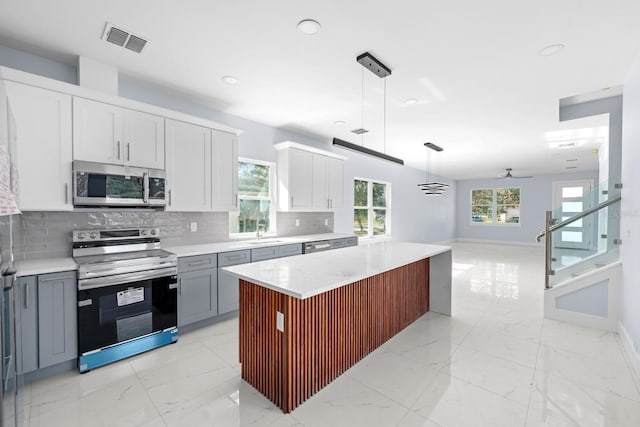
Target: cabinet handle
66,193
118,143
179,286
194,263
235,200
331,203
128,151
56,279
26,296
328,203
169,197
291,201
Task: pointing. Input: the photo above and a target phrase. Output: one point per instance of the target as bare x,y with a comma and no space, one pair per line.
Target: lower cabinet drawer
226,259
198,262
351,241
261,254
337,243
289,250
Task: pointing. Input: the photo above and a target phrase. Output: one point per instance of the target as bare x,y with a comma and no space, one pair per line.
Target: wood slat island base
325,334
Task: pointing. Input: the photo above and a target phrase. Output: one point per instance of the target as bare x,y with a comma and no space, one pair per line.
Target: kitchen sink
261,241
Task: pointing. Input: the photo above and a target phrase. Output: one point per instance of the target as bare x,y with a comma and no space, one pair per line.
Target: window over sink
256,206
371,208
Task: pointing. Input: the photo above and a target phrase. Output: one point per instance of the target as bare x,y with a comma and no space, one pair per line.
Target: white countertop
236,245
312,274
44,266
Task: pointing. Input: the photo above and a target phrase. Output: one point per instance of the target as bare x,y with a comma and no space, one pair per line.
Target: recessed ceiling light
230,80
552,49
308,26
411,101
339,122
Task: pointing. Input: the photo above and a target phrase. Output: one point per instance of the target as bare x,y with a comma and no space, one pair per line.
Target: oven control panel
115,234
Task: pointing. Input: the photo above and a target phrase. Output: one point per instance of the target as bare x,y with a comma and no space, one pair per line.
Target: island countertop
307,275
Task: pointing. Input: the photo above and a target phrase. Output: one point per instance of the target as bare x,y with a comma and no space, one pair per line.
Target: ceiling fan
508,175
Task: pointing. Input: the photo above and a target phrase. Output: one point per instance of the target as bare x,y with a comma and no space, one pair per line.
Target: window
371,210
256,198
495,206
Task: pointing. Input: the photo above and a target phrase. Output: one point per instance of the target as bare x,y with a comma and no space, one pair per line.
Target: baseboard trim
498,242
631,354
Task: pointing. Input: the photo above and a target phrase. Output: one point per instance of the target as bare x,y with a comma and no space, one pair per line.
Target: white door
97,132
569,199
225,171
188,167
43,139
143,140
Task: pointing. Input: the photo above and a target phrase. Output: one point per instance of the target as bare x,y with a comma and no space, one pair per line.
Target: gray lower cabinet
197,288
228,292
48,328
27,304
57,314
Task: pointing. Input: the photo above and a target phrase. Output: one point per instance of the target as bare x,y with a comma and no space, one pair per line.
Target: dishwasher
317,246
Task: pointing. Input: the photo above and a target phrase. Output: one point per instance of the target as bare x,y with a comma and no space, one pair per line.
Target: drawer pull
194,263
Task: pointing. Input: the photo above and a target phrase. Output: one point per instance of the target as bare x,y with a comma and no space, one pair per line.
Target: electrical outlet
297,222
194,227
280,321
326,222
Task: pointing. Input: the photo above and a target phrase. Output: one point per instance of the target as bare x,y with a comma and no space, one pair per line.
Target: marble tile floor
495,362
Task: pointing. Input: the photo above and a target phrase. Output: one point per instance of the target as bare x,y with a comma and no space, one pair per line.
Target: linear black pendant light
372,64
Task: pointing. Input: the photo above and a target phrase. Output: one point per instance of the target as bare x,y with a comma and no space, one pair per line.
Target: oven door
116,313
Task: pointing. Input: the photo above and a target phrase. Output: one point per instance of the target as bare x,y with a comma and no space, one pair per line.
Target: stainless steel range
127,294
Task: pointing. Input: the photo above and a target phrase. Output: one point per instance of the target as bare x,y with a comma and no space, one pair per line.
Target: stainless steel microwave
99,184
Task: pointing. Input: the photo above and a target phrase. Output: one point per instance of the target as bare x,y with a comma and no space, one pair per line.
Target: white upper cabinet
309,179
143,140
106,133
41,126
335,182
225,171
188,167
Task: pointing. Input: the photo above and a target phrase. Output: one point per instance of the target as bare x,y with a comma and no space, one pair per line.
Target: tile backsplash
40,235
310,223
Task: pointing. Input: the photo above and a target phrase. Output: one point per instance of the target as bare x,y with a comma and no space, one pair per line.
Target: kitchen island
305,320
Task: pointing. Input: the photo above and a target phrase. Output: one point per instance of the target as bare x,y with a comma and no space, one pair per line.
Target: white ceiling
484,93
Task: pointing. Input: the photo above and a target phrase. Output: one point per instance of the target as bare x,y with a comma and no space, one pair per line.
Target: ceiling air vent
124,38
359,131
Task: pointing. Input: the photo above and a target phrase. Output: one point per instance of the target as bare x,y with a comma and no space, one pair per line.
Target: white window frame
494,208
370,208
272,199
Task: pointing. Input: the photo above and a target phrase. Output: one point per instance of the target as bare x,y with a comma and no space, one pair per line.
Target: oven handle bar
118,279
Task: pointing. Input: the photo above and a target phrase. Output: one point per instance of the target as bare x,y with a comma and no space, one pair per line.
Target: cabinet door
197,296
300,179
57,314
228,292
26,303
143,140
97,132
335,182
188,167
320,191
225,171
42,121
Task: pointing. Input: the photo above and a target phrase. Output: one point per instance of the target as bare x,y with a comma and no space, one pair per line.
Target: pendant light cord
384,119
362,107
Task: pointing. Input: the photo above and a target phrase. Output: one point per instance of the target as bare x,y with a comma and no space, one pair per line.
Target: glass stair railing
579,242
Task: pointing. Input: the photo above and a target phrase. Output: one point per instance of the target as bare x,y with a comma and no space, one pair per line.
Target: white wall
630,212
535,198
415,217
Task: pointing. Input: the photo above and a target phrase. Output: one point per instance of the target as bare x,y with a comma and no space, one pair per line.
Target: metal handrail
581,215
551,226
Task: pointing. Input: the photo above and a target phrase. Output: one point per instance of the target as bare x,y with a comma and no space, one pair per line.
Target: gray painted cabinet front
229,295
197,295
197,288
57,314
27,301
